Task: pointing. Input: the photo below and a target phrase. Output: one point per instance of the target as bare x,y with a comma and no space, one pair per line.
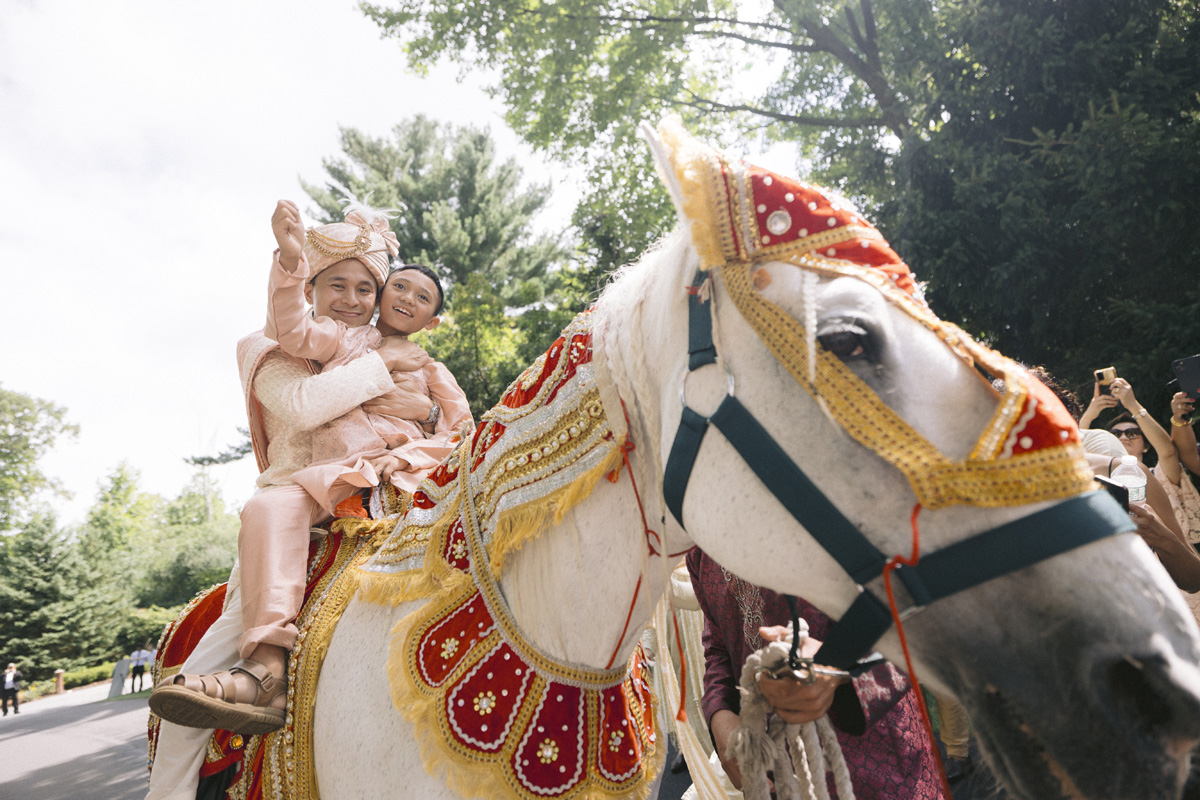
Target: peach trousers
265,591
273,553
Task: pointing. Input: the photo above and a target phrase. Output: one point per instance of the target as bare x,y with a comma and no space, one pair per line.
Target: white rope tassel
761,743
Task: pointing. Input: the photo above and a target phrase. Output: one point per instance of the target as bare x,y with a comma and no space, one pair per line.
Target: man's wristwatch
435,413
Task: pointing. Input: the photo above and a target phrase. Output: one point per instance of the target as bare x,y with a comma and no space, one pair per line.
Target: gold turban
364,235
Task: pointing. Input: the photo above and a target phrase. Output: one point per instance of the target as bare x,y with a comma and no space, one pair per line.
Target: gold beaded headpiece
365,235
741,215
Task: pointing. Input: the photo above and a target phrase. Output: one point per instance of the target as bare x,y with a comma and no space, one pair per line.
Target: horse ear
664,164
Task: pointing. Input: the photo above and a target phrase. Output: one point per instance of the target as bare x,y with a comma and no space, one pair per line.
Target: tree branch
789,46
826,39
855,34
655,19
872,45
704,104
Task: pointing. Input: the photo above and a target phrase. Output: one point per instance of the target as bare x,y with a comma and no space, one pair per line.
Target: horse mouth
1019,759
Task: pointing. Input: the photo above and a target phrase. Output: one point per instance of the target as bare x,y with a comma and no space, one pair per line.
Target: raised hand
1123,391
289,233
1099,403
1182,407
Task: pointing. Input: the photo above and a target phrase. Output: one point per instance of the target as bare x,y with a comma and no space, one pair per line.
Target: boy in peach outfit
350,261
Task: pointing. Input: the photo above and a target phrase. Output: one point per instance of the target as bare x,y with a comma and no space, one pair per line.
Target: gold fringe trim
693,166
394,588
357,526
518,526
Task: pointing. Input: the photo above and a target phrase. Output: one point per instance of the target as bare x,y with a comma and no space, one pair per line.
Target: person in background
11,688
1156,522
1183,434
875,715
137,666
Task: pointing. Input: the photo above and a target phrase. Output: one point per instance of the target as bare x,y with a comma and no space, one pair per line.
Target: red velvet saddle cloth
328,557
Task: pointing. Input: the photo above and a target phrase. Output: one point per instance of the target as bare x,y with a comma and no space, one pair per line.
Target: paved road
75,746
82,746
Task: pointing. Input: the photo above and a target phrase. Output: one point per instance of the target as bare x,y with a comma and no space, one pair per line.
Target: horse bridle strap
991,554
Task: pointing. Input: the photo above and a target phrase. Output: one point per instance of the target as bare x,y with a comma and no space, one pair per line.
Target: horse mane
622,332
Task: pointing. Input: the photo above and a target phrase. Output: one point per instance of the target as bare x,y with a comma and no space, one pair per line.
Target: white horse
1079,672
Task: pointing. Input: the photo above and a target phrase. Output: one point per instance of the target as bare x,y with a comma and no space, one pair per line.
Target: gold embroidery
1048,474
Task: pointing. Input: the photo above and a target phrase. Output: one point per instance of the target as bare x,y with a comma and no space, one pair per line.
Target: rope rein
795,753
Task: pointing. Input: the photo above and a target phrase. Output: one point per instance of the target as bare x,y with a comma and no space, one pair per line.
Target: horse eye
846,341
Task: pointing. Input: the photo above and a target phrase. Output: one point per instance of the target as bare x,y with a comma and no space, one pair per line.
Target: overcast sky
142,148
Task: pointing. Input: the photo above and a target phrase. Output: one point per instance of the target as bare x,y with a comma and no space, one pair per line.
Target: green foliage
1052,211
624,212
461,212
838,80
36,590
146,626
71,598
234,452
190,546
466,216
72,679
573,72
29,427
1034,160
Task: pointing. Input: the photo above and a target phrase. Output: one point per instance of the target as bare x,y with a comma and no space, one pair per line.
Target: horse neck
586,588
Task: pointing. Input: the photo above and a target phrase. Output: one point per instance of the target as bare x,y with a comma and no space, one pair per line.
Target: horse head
1077,664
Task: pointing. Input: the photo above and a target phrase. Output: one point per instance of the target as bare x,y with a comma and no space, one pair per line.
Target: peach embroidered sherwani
343,447
285,401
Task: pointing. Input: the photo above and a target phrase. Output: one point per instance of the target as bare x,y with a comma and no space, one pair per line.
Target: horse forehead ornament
742,216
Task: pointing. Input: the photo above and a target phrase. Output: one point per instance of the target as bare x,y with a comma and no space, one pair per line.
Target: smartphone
1187,373
1104,379
1118,491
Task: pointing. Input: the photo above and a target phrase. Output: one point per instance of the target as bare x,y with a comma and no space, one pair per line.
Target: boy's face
408,303
345,292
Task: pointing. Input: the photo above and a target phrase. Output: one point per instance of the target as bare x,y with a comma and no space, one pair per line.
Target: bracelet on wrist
1186,422
435,413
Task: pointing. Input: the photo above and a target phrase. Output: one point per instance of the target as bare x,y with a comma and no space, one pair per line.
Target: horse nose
1158,694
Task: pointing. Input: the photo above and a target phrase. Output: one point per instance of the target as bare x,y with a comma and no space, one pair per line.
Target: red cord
681,714
613,477
625,630
891,565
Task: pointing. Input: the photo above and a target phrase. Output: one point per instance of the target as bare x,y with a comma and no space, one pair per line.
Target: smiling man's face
344,291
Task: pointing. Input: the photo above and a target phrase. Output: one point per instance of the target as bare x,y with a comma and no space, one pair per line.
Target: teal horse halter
991,554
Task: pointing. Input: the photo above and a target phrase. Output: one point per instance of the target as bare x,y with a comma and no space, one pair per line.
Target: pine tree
36,586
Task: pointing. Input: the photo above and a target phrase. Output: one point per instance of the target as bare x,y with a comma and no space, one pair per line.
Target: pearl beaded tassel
761,743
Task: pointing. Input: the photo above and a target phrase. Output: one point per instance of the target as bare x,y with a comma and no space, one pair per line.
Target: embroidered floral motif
614,741
548,751
449,647
485,702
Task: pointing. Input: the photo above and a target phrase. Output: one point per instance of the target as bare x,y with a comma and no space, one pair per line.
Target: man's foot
245,699
957,768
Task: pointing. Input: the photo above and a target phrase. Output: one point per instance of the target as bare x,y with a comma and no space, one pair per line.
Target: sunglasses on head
1126,433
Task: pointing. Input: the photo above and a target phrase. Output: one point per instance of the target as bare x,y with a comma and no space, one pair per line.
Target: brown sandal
191,700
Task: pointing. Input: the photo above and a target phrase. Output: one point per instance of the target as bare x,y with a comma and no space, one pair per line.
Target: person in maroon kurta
876,717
